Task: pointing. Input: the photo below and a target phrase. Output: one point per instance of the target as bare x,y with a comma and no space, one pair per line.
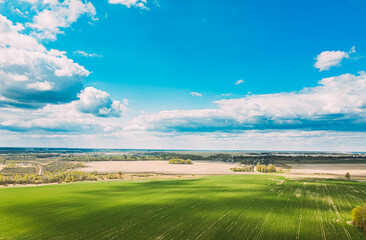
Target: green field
220,207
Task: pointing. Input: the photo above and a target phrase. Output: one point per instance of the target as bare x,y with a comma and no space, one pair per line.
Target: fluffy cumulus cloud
57,15
32,76
328,59
337,103
99,103
79,116
42,90
40,86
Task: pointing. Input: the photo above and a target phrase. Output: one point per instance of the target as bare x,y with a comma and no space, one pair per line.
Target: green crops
219,207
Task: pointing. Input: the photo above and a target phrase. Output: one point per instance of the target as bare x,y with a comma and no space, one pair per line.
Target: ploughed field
161,167
215,207
339,169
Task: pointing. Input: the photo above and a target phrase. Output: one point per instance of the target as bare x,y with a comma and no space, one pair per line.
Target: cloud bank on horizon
43,95
337,104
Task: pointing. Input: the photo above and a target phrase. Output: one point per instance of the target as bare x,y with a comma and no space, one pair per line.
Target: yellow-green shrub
358,214
180,161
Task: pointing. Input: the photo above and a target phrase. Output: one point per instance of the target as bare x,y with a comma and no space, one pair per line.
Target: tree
348,175
188,161
358,214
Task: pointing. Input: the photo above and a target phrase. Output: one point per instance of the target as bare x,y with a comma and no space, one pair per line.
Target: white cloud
42,89
240,81
27,65
352,50
30,1
337,103
80,116
85,54
52,118
195,94
131,3
328,59
294,140
99,103
57,15
14,76
32,76
288,140
20,13
40,86
10,36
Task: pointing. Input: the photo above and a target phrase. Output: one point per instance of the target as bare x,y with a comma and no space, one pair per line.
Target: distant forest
245,157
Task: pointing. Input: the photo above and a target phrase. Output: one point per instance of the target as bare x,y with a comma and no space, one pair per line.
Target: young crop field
216,207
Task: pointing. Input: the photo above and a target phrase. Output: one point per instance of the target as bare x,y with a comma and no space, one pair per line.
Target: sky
212,75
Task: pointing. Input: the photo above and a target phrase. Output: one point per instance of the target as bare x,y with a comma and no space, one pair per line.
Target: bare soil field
163,167
337,170
357,171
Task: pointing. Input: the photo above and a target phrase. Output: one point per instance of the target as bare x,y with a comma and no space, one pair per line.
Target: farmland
163,167
214,207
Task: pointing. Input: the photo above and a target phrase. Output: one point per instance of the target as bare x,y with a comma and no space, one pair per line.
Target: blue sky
164,74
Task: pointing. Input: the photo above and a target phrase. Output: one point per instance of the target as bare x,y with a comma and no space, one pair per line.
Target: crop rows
220,207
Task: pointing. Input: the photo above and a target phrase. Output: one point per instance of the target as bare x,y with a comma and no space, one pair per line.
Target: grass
220,207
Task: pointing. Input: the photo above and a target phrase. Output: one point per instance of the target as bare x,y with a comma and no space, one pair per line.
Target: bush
180,161
348,175
358,214
264,168
245,168
112,176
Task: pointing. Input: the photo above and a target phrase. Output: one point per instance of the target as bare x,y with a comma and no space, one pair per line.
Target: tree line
48,177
